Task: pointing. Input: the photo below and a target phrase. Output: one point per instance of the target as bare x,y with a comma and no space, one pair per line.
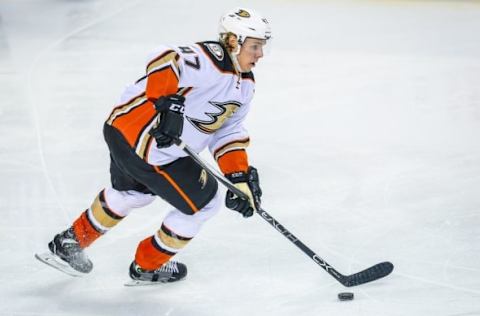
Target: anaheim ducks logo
203,178
243,13
217,119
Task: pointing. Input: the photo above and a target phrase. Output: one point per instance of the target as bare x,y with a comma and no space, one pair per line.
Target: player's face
250,52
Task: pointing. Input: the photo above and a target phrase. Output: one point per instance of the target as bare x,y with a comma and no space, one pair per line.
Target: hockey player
201,93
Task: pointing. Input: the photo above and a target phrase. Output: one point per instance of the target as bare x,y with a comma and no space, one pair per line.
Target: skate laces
70,245
170,266
68,242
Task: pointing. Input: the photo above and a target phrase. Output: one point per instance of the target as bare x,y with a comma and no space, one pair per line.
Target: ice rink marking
34,105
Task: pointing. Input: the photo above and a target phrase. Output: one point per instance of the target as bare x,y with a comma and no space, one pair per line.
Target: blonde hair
229,40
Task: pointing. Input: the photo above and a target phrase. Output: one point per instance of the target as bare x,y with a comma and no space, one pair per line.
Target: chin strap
236,65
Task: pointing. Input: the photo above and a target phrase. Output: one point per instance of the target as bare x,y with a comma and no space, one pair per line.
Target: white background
365,130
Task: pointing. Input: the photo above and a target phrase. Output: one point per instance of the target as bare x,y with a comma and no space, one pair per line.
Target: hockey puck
345,296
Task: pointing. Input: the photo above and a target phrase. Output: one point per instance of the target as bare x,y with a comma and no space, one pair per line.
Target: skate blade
148,283
57,263
143,283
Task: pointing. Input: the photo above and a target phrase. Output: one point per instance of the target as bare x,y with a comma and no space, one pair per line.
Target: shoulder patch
219,57
216,50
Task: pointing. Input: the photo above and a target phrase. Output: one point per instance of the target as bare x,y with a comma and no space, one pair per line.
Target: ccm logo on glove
169,128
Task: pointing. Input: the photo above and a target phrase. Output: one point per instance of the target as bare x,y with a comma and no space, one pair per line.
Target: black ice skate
171,271
66,255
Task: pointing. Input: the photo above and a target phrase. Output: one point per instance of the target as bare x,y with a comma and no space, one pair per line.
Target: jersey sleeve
136,113
162,73
174,67
229,144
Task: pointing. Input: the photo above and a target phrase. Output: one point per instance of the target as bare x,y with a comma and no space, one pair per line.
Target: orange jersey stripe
125,107
177,188
133,123
162,82
233,161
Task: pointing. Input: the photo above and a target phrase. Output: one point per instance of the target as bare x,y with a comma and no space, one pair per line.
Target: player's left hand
247,182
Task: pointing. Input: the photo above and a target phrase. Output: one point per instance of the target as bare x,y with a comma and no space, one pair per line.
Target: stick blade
373,273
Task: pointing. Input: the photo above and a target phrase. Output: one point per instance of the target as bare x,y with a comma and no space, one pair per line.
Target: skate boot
66,247
169,272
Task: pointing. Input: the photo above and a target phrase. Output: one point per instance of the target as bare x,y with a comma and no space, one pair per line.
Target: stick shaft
297,242
263,214
373,273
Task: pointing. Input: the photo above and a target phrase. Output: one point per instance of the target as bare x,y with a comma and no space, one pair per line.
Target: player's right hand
170,126
248,183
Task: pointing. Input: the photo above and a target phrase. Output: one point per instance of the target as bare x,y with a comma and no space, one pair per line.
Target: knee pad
189,225
122,202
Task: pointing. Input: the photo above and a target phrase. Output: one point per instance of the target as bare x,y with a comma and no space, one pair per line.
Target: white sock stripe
96,223
161,244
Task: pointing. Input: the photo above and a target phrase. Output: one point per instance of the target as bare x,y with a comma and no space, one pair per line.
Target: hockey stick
373,273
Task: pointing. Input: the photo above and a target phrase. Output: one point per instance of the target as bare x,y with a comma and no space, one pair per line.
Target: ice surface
365,131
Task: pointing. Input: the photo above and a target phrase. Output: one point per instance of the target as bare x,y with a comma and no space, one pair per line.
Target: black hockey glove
170,126
248,183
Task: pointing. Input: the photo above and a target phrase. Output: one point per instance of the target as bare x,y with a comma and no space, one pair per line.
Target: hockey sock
155,250
95,221
176,231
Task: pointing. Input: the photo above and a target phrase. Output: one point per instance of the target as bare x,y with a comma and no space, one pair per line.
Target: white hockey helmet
244,23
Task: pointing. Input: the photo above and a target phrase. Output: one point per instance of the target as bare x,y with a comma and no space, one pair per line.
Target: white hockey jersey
217,101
